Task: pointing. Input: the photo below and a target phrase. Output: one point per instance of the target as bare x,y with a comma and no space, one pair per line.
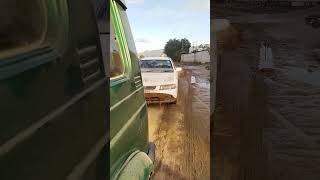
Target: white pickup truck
160,79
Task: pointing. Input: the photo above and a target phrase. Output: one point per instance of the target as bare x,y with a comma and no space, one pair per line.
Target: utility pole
182,49
195,51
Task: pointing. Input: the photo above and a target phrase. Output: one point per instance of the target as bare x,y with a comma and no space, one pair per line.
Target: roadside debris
266,57
193,80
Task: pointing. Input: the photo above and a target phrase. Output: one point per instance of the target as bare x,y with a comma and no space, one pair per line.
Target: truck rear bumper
159,98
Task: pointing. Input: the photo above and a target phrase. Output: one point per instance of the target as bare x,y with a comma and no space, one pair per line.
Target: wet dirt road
293,132
289,129
181,131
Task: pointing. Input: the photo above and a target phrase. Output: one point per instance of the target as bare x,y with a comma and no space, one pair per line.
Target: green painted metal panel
45,88
138,168
128,110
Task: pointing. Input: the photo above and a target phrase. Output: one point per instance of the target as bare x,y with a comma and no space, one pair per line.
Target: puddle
204,85
201,82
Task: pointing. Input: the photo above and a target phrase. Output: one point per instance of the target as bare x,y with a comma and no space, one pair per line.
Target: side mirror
178,69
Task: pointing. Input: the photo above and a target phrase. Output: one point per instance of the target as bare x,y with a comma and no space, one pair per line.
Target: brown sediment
181,132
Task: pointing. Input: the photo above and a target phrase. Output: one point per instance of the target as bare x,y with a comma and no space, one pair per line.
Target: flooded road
276,114
181,131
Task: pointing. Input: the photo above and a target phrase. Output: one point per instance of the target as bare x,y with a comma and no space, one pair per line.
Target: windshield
155,64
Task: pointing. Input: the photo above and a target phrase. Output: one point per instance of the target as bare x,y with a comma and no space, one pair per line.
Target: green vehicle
131,156
54,93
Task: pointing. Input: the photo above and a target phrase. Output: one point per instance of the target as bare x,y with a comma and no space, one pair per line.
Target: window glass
158,64
22,26
103,20
116,62
103,15
127,30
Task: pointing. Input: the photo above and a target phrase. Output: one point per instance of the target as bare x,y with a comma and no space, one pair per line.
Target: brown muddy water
289,123
181,131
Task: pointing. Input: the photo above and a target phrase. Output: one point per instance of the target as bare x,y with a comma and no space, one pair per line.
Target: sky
154,22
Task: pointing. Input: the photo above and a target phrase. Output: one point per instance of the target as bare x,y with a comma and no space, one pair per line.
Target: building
196,57
201,47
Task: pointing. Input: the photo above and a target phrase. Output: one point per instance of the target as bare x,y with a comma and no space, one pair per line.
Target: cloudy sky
154,22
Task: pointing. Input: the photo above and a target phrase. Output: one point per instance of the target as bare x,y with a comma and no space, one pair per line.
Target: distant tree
141,56
174,48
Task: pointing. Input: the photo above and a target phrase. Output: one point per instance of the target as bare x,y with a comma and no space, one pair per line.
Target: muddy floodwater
181,131
274,115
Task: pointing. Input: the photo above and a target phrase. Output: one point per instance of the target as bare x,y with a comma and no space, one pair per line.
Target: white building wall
187,57
201,57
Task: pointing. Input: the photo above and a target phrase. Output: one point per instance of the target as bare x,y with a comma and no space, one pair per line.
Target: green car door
53,100
128,111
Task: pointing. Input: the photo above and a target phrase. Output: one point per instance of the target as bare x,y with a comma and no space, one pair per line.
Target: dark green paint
128,120
35,84
39,83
